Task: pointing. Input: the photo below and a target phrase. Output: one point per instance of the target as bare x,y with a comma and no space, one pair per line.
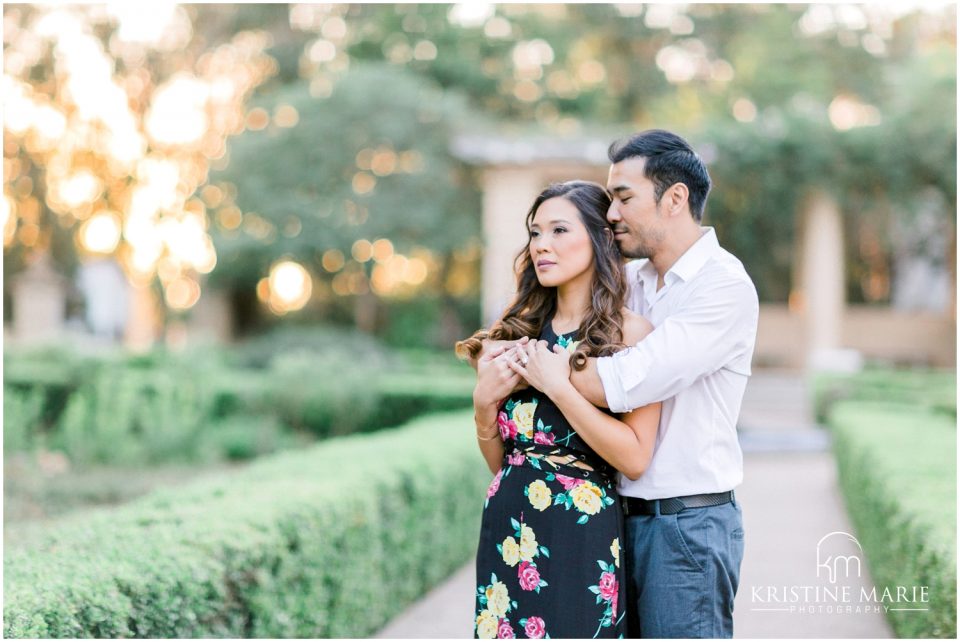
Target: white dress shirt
696,361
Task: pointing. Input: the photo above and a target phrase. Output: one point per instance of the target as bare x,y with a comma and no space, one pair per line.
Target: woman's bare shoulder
635,327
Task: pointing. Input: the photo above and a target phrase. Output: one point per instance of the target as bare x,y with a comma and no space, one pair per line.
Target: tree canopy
340,116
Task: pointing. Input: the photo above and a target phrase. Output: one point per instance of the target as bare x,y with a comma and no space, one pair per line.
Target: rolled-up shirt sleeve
714,328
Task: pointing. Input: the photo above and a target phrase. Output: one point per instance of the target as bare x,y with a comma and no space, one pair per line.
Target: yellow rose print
587,498
511,552
523,418
498,600
572,346
528,543
486,625
615,549
539,495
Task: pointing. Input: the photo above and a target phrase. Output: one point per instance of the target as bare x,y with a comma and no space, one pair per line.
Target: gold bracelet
493,436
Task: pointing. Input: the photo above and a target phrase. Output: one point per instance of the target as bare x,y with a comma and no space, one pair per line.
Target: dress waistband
539,456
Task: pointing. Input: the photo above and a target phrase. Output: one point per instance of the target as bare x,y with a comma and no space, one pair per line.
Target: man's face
634,215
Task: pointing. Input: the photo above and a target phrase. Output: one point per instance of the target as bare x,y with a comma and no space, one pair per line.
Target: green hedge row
328,542
897,468
163,408
933,390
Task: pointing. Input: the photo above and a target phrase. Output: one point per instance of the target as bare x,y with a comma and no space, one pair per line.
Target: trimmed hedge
897,468
329,542
933,390
158,408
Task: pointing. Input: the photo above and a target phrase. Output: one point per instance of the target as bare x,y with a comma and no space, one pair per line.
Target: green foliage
764,171
327,542
316,339
429,321
897,465
241,437
304,175
931,391
294,385
21,418
40,488
771,61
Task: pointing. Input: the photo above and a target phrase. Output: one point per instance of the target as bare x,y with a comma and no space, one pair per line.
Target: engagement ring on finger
524,359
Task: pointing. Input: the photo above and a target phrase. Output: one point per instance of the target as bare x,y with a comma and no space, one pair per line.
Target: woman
548,562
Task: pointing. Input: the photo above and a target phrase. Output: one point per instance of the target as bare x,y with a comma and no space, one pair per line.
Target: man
684,532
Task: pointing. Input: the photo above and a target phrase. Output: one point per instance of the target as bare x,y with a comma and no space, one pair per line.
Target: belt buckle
631,506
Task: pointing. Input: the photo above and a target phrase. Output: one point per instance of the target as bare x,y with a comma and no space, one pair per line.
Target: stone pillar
211,319
507,194
144,318
823,284
39,302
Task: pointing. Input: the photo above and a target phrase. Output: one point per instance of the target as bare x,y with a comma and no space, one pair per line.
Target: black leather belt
673,505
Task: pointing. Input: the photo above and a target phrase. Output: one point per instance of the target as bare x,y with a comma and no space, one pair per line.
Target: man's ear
677,197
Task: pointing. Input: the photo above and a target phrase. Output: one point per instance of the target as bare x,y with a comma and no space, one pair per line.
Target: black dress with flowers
548,562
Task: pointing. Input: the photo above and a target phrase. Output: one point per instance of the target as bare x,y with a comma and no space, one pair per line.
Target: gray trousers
682,572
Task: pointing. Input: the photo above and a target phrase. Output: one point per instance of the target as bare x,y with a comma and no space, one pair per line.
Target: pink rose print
608,586
568,482
613,604
508,429
505,631
494,485
529,576
535,628
543,438
515,458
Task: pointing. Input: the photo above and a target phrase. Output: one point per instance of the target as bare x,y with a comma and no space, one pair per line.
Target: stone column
507,194
823,284
144,318
39,302
211,319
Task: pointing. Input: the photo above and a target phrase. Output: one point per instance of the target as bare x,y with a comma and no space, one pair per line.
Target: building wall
878,333
919,338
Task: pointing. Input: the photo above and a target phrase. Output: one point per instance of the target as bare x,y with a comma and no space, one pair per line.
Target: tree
354,185
112,116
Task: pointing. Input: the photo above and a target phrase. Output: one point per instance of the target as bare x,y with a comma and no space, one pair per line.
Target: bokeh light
124,144
288,287
101,232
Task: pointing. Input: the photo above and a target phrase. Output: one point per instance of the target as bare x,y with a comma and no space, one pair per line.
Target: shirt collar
690,262
647,274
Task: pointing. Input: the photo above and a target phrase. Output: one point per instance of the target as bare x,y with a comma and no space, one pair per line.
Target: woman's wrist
560,390
485,417
483,403
486,425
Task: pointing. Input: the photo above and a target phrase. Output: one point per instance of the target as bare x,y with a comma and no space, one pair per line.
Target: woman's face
560,246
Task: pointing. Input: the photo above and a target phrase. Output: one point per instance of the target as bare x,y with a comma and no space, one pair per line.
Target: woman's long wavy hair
602,328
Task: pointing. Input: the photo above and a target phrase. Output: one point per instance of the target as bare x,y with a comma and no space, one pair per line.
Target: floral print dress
548,562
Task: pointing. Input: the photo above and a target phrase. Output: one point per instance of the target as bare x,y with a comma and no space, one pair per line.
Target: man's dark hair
669,160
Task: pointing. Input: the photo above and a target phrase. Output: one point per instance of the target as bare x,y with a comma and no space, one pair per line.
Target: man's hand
547,371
